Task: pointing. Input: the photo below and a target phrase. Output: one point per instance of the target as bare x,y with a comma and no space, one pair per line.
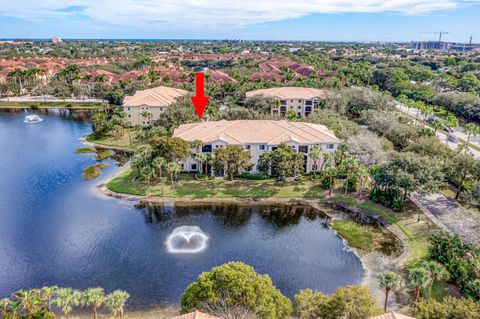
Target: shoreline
104,146
373,263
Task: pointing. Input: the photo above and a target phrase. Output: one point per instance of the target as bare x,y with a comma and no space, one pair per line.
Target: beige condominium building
145,106
303,101
257,136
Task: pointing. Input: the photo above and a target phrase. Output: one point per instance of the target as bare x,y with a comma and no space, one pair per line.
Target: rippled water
55,228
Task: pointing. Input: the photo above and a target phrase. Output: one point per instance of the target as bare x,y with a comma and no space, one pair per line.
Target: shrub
353,302
253,176
93,171
104,154
235,285
84,150
389,198
449,308
325,182
460,259
35,106
202,176
352,184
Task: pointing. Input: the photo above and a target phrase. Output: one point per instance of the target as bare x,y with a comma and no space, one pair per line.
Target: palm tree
148,173
202,158
147,115
15,310
66,299
389,280
5,307
115,302
315,154
450,121
330,170
437,272
471,129
427,110
159,164
350,166
46,294
173,168
29,300
93,297
437,124
419,277
362,174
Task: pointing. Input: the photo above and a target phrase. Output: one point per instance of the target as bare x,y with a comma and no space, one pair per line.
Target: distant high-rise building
56,40
442,46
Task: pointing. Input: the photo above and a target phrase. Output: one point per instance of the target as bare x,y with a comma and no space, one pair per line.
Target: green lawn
188,187
356,235
121,142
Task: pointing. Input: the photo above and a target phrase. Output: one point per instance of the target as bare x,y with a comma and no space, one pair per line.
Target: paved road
440,134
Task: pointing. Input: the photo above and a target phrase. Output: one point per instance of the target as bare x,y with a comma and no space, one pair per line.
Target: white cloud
189,14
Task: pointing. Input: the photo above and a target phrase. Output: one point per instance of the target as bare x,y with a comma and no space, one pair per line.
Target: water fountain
186,240
31,119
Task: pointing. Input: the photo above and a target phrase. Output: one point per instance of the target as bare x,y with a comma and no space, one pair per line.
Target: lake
56,228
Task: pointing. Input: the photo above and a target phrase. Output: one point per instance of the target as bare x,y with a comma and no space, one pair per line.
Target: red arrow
200,100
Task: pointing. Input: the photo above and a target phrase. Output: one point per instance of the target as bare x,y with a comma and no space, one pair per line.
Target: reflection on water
55,230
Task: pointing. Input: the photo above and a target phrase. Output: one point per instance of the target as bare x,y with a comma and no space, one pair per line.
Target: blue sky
330,20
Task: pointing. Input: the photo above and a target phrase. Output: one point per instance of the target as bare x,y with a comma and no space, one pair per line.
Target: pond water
56,228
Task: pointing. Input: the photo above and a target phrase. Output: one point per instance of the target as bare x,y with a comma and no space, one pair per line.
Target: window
261,147
247,147
129,115
330,146
299,101
128,108
161,109
193,167
291,101
183,166
308,102
283,102
206,148
299,114
303,148
299,107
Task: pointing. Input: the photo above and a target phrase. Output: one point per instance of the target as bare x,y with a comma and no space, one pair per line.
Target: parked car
453,139
449,129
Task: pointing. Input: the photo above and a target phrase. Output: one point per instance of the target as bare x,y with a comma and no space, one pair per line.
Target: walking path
450,217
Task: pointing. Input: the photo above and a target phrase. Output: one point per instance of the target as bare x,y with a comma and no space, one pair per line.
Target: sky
317,20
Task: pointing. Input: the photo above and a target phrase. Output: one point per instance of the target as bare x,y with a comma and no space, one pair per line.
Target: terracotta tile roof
195,315
158,96
220,76
256,131
289,93
267,76
392,315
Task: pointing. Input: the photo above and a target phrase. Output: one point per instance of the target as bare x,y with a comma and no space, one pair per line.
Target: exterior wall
256,152
302,107
134,113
